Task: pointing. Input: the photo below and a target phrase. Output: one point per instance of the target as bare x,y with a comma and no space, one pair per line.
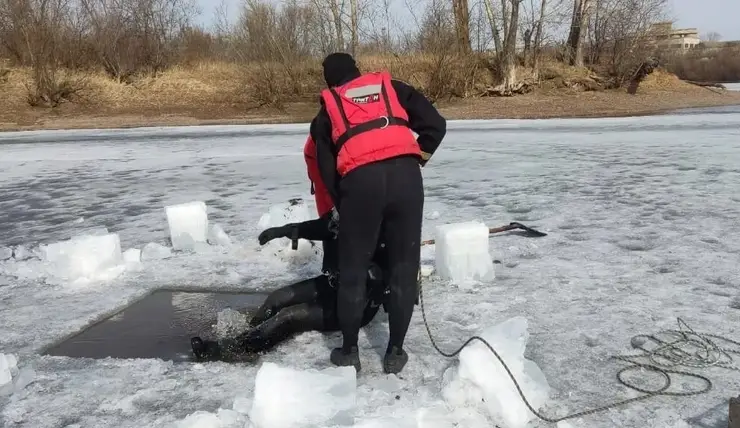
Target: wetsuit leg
316,314
402,236
288,322
301,292
362,201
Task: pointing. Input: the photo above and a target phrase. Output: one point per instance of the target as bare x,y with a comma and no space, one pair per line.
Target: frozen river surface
643,216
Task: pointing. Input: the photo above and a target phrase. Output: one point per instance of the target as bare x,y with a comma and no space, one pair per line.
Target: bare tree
578,29
508,60
132,36
462,25
620,32
712,37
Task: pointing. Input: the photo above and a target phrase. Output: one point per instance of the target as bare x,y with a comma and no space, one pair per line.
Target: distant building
675,38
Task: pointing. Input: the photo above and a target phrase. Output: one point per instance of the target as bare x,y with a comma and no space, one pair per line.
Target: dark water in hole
158,326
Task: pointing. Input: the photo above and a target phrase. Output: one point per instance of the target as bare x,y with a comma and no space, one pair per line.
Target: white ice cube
154,251
217,236
289,398
188,224
132,256
8,364
461,253
5,253
84,256
481,380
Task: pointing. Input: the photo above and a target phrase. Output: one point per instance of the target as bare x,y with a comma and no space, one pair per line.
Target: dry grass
218,92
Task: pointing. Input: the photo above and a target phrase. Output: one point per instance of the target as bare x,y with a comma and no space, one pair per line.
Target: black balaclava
339,68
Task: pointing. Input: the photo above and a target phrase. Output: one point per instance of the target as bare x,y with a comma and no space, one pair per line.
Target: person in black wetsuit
308,305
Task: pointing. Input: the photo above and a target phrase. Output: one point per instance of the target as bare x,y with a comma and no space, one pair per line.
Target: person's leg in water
305,291
402,236
289,310
362,200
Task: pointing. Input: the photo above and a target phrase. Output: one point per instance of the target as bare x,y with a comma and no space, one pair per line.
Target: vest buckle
387,122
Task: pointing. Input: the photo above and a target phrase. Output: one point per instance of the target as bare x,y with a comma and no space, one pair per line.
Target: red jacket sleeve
323,199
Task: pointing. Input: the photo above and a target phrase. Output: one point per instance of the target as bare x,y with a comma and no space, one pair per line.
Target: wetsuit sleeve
424,119
316,230
325,154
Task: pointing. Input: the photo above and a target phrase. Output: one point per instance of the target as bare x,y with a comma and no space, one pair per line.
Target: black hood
339,68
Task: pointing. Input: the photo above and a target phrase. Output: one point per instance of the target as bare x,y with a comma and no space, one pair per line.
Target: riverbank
187,99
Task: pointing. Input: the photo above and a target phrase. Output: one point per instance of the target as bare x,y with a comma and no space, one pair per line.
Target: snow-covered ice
188,224
6,253
288,398
155,251
642,221
462,254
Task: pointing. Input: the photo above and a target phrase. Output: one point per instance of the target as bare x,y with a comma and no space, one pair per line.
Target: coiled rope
688,348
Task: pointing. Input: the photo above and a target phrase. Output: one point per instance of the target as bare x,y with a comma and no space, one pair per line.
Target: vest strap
378,123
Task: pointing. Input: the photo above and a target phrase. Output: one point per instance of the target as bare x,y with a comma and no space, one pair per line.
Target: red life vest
324,203
368,122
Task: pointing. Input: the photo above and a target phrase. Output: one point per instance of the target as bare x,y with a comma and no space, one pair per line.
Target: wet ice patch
230,323
462,254
289,398
188,224
480,380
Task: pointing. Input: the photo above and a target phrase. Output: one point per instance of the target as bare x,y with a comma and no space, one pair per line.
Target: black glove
268,235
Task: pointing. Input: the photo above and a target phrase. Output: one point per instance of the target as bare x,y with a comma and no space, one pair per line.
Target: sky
720,16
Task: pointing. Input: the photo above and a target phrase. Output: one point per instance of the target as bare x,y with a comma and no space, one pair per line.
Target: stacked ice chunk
188,224
190,229
461,253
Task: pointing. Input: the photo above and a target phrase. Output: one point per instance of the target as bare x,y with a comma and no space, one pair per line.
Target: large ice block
480,380
461,253
188,224
289,398
84,256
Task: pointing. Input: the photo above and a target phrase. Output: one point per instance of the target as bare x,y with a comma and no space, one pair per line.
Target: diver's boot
205,350
342,358
395,359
